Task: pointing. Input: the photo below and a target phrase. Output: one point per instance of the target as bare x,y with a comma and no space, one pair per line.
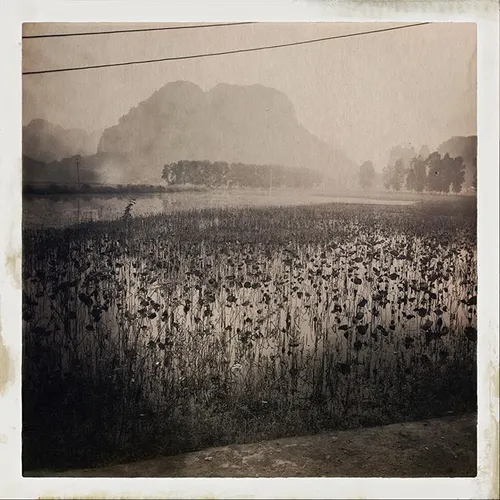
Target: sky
362,94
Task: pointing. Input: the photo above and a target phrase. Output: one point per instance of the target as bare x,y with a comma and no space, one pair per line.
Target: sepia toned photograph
249,249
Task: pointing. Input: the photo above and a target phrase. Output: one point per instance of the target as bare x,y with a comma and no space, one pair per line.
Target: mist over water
56,210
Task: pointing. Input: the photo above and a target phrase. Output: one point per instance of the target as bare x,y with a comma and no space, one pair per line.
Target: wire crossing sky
139,30
364,94
223,53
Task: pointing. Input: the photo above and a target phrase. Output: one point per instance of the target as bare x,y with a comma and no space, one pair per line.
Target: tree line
435,173
234,175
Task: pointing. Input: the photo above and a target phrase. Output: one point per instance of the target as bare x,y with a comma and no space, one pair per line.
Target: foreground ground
443,447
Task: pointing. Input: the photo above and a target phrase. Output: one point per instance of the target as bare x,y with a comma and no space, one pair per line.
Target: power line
111,32
223,53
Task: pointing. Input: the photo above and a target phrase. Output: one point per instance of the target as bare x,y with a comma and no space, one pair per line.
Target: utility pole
78,172
78,185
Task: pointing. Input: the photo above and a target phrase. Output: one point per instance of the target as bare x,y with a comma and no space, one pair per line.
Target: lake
63,210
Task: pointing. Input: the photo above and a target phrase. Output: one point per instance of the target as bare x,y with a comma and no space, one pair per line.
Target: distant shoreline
48,190
57,189
395,195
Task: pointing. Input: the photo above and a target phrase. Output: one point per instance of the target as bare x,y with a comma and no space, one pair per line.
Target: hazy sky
363,94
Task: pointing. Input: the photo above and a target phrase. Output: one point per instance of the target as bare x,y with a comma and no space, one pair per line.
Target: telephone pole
78,184
78,172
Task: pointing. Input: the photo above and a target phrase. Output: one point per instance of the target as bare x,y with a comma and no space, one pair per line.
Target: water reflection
57,210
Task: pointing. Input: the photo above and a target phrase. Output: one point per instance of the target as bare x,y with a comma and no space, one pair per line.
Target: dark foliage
223,174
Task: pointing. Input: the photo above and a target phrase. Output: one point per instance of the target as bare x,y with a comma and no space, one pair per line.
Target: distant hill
180,122
466,147
46,142
236,124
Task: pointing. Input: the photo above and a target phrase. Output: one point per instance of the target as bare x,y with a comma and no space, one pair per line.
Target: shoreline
437,447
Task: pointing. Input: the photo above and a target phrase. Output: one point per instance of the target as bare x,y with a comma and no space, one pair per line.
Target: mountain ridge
46,142
248,124
252,124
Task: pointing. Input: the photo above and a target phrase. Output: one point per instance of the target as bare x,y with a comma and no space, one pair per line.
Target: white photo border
13,13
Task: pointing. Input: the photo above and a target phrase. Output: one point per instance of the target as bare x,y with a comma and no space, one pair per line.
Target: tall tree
445,173
420,168
410,177
436,177
366,175
387,177
394,175
457,174
398,175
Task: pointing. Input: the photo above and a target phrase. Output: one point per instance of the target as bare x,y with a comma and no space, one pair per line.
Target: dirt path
437,447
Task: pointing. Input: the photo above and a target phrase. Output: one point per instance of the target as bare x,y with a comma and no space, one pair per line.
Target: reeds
173,332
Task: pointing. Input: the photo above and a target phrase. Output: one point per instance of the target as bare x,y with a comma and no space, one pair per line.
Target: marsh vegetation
173,332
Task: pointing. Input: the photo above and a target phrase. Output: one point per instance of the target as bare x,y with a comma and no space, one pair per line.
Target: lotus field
170,333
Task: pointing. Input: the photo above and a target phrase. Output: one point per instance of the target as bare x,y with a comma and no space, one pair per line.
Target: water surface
64,210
